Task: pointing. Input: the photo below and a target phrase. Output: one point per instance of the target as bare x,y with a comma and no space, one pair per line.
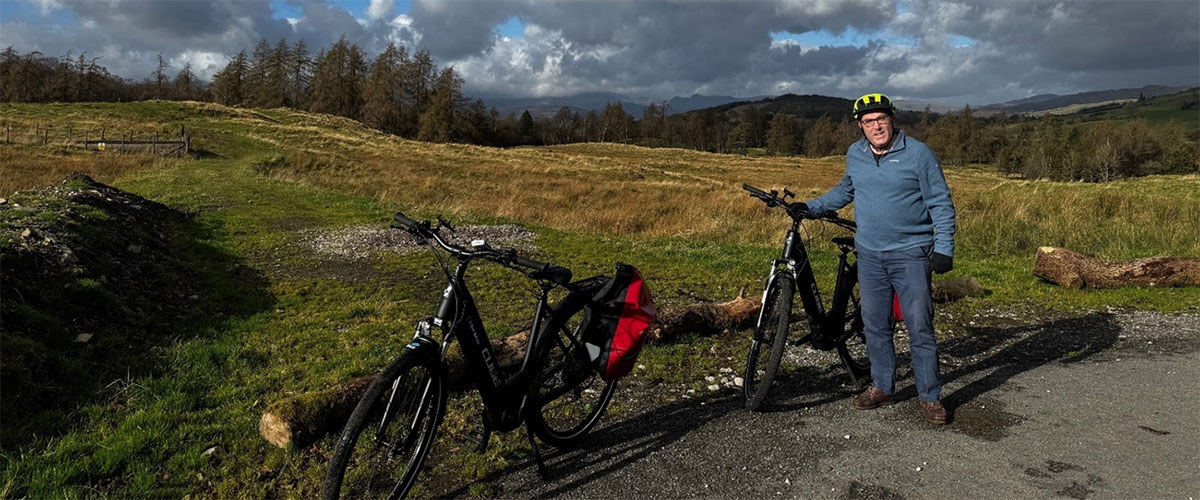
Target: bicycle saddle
555,274
845,241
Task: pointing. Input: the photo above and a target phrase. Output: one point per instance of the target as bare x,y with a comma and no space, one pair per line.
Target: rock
714,387
738,381
83,338
134,249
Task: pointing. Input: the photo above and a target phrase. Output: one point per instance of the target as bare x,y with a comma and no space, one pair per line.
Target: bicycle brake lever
444,223
788,194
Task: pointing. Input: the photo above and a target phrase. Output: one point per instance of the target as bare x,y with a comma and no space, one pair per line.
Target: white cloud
381,9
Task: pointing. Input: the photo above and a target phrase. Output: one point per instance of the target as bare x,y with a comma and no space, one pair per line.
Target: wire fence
99,139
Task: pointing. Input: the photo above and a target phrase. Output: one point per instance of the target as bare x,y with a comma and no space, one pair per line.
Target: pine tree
782,135
337,80
228,83
382,97
300,68
160,77
528,133
437,120
184,81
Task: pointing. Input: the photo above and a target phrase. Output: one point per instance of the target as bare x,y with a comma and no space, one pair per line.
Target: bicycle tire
771,333
364,466
852,347
569,394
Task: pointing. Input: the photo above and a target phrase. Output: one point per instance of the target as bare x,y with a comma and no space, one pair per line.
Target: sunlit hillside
609,188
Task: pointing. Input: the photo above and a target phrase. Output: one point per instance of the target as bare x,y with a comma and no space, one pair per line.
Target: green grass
1182,108
187,425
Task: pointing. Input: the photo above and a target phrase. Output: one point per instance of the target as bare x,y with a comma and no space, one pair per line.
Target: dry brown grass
630,190
25,167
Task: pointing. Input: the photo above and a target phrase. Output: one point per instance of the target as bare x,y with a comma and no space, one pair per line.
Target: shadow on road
1008,352
613,447
1001,353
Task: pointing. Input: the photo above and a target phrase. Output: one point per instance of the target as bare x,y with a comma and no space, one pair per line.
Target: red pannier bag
616,322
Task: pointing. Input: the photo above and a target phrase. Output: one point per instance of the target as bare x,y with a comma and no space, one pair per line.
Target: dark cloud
977,52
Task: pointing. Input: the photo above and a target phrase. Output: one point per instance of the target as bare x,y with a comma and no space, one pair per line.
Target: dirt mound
93,278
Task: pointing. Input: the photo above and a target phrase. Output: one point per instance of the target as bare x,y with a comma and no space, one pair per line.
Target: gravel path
1098,406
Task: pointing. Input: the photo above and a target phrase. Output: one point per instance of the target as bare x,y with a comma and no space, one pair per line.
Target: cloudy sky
949,52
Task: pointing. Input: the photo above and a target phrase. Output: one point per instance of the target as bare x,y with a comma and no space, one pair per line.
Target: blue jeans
907,272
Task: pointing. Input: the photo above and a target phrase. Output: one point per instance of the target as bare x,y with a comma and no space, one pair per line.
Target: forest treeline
406,94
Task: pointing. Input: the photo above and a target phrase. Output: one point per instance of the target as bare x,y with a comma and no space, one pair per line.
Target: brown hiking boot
933,412
872,398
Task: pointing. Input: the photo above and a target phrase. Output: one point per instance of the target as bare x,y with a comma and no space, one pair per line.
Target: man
905,229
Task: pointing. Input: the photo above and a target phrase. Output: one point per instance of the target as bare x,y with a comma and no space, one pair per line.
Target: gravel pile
359,242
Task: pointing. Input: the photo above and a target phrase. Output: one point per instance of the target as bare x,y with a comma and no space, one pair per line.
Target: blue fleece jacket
900,200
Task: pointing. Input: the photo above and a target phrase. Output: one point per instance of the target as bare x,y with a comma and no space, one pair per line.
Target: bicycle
839,328
556,392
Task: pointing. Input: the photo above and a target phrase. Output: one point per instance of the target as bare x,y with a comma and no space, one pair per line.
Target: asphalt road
1103,406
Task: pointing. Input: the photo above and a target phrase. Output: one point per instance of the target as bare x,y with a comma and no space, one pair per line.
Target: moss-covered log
302,419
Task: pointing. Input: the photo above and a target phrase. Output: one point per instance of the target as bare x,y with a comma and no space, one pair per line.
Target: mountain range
596,101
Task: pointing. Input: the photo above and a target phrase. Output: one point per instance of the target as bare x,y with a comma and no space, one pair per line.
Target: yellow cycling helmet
872,103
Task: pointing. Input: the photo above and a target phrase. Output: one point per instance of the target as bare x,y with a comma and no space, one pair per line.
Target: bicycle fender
763,303
424,346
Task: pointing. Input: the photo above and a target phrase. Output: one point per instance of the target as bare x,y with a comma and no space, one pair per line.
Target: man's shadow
1008,352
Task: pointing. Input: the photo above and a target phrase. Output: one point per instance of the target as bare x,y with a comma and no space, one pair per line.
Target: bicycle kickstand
537,454
484,437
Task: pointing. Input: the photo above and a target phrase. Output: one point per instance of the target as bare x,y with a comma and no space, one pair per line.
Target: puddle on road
984,418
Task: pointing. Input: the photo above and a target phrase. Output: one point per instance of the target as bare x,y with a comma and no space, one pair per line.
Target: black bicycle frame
825,327
458,317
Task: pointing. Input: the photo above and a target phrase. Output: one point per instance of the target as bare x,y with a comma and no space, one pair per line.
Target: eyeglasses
875,121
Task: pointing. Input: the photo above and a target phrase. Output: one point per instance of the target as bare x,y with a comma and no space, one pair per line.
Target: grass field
263,180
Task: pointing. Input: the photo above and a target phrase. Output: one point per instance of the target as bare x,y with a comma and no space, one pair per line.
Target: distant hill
684,104
803,106
1046,102
1181,107
579,103
596,101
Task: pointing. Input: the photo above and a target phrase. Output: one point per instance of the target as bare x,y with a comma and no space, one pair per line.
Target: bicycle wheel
770,339
569,393
384,444
852,347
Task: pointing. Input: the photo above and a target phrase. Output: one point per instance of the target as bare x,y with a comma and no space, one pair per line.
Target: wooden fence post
154,145
102,133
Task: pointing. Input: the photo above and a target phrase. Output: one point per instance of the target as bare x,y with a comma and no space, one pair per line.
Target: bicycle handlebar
772,199
503,256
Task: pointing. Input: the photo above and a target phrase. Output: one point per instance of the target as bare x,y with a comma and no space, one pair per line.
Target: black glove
941,264
799,205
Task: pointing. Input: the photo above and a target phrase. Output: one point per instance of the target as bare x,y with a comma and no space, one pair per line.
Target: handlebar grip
530,263
753,190
406,222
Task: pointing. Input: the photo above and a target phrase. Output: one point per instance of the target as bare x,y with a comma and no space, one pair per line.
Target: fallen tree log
302,419
705,319
1074,270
